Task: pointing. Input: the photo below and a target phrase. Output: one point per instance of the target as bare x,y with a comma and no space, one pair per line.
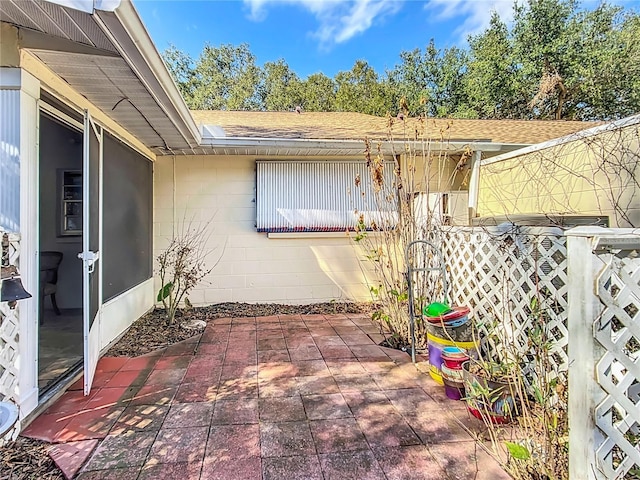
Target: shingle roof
356,126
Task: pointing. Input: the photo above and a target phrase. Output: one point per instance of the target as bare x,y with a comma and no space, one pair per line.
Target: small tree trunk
561,100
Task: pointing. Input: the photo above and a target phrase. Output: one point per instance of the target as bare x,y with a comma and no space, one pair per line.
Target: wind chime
12,288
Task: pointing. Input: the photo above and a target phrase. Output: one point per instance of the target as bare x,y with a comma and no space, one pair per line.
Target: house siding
589,176
252,267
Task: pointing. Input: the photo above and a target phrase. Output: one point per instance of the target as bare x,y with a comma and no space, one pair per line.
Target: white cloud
474,15
339,20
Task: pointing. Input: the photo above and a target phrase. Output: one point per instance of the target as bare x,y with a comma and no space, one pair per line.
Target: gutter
356,145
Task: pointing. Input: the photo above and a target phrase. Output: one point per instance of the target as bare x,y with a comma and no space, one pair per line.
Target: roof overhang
341,148
103,51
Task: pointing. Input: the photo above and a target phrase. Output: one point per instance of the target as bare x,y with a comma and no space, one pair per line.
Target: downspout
173,201
474,183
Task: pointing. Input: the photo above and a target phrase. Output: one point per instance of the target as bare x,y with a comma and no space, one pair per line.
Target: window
319,196
70,194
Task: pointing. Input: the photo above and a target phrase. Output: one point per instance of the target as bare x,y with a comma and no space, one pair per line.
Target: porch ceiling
111,85
108,57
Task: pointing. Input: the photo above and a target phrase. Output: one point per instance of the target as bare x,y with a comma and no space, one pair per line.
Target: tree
226,78
431,82
281,88
542,29
604,82
409,81
182,69
492,83
318,93
556,61
359,90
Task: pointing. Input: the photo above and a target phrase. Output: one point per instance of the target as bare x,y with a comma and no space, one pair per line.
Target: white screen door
91,246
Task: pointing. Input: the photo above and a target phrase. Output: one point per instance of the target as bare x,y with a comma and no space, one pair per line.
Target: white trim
91,326
356,145
29,241
474,182
123,310
603,233
61,116
88,6
590,132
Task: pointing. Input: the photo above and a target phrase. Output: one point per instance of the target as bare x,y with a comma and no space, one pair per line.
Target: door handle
89,258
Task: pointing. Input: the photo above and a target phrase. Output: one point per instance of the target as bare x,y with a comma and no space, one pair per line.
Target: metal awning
108,57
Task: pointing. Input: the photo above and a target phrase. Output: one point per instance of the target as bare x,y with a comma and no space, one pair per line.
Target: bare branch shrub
423,162
183,265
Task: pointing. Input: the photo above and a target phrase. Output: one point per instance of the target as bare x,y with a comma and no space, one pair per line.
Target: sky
325,36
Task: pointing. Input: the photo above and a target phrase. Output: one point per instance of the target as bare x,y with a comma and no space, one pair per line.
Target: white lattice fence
498,272
617,330
9,342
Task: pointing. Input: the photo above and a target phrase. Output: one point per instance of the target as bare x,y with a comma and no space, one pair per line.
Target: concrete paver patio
283,397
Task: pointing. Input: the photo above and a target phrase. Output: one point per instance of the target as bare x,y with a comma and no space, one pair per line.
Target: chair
49,263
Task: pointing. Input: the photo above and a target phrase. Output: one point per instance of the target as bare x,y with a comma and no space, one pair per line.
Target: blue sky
319,35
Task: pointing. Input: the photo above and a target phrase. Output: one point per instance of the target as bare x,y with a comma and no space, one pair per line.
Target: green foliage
491,86
359,90
430,82
319,93
519,452
555,60
165,291
222,78
281,89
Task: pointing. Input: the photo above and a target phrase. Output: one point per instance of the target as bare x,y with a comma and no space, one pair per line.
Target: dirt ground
27,459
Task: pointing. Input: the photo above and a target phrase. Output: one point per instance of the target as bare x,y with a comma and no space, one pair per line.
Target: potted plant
492,390
493,382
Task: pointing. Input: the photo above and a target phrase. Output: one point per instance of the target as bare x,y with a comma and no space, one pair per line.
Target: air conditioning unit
445,208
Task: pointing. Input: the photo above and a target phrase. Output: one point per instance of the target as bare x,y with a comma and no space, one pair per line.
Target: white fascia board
582,134
153,68
356,145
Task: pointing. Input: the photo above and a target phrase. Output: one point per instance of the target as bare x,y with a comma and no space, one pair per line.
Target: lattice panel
9,343
498,272
618,371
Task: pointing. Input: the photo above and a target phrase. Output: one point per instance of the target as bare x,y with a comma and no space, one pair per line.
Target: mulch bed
28,459
152,331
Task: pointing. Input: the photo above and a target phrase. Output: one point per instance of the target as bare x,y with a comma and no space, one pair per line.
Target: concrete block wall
220,191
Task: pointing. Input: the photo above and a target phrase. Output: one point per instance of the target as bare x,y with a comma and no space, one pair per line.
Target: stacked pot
450,342
452,360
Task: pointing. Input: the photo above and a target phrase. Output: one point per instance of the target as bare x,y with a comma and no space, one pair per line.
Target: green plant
182,266
535,444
